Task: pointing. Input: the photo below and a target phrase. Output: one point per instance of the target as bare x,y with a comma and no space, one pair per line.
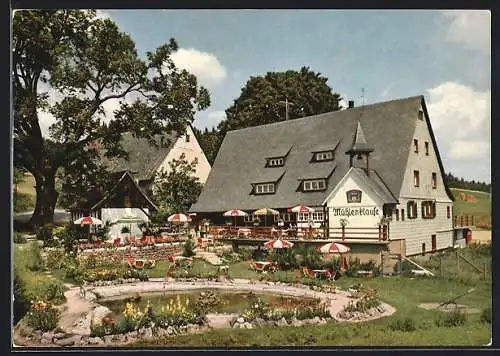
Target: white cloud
207,68
209,119
101,14
469,150
472,28
461,120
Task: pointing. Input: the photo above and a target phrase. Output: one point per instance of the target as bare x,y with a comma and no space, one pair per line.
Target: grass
404,293
481,209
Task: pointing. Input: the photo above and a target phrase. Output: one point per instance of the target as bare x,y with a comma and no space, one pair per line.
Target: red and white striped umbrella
179,217
301,209
235,212
87,220
333,247
278,244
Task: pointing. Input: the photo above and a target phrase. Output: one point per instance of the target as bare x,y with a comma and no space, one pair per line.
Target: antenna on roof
362,96
287,104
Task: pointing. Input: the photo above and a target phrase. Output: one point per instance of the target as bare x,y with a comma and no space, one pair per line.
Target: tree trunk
46,198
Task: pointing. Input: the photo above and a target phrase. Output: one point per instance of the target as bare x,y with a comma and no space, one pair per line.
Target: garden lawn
199,266
404,293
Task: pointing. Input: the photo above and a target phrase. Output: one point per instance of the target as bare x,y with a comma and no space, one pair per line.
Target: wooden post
379,232
343,232
484,269
440,266
400,259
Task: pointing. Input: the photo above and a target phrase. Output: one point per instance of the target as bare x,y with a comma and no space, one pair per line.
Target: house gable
189,145
424,158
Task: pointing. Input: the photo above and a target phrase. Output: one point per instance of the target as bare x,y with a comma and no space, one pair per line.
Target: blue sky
444,55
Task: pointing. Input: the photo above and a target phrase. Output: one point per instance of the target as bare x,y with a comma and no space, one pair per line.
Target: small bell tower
360,148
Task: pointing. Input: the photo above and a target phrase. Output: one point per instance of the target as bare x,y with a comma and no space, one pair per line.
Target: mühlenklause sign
372,211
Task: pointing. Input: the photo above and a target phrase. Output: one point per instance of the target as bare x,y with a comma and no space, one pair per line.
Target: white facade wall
112,214
369,201
191,151
418,231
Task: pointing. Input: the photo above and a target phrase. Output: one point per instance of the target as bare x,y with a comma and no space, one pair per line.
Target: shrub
19,238
245,254
407,324
42,316
286,259
454,318
486,315
189,248
42,287
55,259
34,257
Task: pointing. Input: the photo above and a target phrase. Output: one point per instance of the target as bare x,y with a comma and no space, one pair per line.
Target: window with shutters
415,145
433,242
303,217
397,214
426,148
402,215
448,212
318,216
428,209
412,209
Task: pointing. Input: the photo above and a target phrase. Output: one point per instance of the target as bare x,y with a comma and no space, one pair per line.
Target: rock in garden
45,341
99,313
247,325
282,322
60,335
170,330
260,322
95,340
65,342
148,334
240,320
133,334
48,336
108,339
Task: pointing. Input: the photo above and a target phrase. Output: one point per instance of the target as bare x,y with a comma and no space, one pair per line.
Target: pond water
229,302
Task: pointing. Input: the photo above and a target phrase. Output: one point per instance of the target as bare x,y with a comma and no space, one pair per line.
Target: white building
375,169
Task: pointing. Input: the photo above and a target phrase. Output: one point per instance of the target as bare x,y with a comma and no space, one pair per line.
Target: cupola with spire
360,147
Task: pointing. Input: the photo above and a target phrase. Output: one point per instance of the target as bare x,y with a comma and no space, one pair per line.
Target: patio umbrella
333,247
87,220
278,244
235,213
301,209
179,217
266,212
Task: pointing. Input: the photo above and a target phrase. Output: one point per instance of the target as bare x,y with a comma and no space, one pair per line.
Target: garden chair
139,264
131,261
330,275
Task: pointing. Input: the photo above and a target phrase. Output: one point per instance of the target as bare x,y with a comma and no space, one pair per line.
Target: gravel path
74,310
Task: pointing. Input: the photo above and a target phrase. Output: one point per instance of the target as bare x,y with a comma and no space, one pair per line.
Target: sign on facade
361,211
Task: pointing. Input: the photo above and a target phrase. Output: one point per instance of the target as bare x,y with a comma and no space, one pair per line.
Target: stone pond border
79,336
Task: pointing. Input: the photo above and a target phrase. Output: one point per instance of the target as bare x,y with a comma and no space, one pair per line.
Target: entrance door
433,242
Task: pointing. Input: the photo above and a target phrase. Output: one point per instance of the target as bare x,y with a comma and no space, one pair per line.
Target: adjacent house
372,173
130,195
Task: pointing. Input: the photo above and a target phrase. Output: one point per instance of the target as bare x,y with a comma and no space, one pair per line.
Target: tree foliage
89,62
455,182
209,141
262,99
177,188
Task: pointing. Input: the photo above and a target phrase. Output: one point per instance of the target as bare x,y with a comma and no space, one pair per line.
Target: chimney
351,104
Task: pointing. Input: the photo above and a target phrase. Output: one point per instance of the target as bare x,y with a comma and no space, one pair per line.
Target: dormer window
187,138
323,156
420,114
275,162
265,188
313,185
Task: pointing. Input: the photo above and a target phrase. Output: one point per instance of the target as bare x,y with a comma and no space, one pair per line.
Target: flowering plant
42,316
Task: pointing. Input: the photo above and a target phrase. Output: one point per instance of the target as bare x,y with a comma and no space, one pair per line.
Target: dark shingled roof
388,129
144,158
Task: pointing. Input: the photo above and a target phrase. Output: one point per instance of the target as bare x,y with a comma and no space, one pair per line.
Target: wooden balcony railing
379,233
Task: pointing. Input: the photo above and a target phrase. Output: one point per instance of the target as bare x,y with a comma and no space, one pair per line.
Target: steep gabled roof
144,158
125,176
388,127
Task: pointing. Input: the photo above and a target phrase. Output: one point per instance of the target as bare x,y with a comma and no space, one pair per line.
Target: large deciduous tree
88,62
262,99
177,188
